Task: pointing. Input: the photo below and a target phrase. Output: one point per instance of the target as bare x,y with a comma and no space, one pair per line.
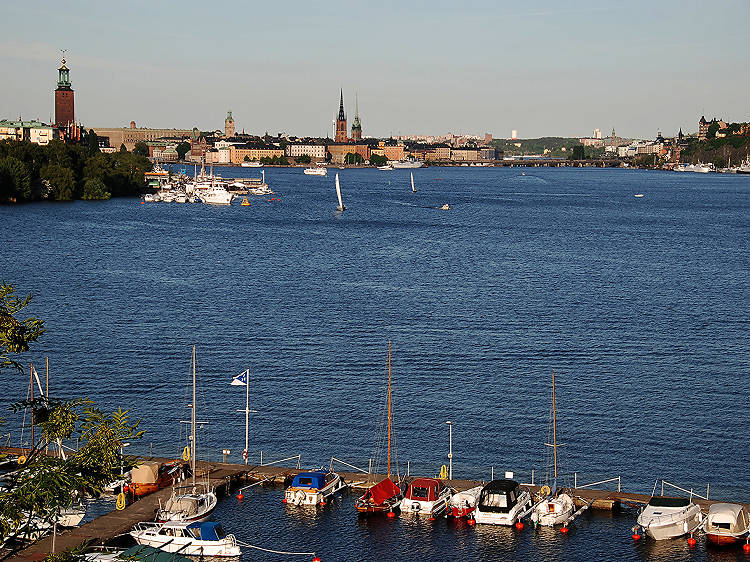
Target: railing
617,479
690,491
298,457
349,465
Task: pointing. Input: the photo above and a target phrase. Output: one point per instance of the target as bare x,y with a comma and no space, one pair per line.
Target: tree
182,149
15,180
353,158
247,158
578,153
44,485
141,149
95,190
60,181
304,159
712,128
92,141
378,160
123,148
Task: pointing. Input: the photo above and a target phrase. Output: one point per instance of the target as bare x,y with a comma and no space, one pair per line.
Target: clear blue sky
545,68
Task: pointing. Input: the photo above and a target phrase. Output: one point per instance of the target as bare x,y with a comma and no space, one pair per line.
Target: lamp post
450,450
122,461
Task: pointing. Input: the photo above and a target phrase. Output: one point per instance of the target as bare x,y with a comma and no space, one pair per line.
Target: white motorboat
148,198
180,197
669,518
316,171
195,505
727,523
553,511
638,195
313,488
502,502
426,496
251,164
462,504
386,167
341,206
406,164
744,168
216,195
205,539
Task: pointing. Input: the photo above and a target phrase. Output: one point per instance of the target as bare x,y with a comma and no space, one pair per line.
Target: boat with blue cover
313,488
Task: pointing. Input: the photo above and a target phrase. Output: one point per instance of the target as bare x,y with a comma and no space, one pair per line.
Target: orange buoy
316,559
322,503
691,542
746,548
519,525
564,530
283,501
470,522
391,515
240,496
143,202
636,537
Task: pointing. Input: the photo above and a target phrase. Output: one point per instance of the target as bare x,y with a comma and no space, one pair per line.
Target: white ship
406,163
316,171
216,195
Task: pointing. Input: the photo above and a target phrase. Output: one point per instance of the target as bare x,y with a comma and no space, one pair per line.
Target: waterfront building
229,125
340,135
356,126
313,150
236,154
129,136
64,99
488,153
438,153
30,131
464,154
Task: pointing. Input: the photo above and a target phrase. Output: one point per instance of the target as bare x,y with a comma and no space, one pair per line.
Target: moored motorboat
205,539
426,496
502,502
462,504
216,195
726,523
553,511
188,507
668,518
383,497
385,167
316,171
313,488
150,476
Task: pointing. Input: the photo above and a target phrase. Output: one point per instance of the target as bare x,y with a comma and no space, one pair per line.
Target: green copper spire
356,124
63,76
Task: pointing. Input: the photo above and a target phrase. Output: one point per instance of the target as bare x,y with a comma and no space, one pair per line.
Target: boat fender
443,472
186,453
545,490
120,501
21,460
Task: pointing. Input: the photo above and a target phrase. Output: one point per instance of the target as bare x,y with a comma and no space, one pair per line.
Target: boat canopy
662,501
207,531
727,517
145,473
499,496
382,491
189,504
315,480
151,554
425,489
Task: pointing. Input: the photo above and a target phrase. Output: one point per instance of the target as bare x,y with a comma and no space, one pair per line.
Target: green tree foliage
92,141
712,128
59,180
141,149
277,160
123,148
578,153
15,334
182,149
353,158
303,159
378,160
15,180
95,190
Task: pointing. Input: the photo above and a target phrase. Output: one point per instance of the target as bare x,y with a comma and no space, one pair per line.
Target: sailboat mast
247,414
31,384
389,408
554,423
192,423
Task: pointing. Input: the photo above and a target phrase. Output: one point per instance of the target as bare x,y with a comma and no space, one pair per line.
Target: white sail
341,206
413,189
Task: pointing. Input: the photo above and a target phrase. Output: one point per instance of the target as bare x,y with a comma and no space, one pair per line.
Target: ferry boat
313,488
406,164
205,540
727,523
385,167
316,171
668,518
462,504
426,496
502,502
251,164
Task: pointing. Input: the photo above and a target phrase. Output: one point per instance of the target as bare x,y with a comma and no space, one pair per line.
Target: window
722,525
419,492
496,499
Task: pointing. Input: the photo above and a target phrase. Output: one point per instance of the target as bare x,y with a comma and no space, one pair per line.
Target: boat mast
247,414
192,424
554,423
31,384
389,407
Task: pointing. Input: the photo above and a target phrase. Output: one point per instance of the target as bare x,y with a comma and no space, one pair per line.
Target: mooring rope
275,551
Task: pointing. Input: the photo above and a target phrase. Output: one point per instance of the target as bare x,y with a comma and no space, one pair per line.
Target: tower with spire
341,131
229,125
356,125
64,100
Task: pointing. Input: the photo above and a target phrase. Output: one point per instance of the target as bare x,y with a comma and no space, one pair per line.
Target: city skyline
418,69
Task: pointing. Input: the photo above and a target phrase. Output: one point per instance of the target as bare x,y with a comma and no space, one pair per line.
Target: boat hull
313,496
504,518
722,540
671,525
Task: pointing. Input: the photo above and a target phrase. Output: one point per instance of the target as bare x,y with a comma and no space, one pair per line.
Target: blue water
641,306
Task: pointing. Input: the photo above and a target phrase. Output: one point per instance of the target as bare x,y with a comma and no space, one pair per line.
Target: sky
417,67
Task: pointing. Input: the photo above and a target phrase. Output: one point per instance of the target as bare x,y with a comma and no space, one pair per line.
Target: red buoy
322,503
126,488
470,522
519,525
746,548
316,559
564,530
432,519
691,542
636,537
240,496
391,514
283,501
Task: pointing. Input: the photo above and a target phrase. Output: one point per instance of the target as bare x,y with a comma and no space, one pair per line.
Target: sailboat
385,496
555,508
341,206
195,505
413,189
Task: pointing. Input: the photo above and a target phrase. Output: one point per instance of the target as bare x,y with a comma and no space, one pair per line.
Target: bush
60,181
95,190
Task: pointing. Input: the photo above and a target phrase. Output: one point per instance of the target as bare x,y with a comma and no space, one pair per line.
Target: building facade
129,136
64,99
340,135
237,154
30,131
229,125
357,125
314,151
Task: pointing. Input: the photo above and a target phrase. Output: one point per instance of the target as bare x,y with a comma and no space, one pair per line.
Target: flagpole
247,414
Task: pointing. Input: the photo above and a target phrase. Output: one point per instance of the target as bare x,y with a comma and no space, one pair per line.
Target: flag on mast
241,379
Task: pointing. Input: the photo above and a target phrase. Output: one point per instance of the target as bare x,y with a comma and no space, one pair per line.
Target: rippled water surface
641,306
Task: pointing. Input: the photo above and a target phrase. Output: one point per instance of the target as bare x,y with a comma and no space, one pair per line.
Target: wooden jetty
227,477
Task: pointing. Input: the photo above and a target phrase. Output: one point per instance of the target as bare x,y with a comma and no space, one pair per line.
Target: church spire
342,115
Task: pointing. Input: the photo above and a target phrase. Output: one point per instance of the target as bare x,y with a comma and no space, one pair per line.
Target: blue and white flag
241,379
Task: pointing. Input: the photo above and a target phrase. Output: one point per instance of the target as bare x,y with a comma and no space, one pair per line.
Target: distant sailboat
413,189
341,206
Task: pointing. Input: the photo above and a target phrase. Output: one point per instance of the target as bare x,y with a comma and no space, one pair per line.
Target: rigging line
275,551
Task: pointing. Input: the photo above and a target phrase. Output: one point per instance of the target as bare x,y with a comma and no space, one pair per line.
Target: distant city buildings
229,125
30,131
